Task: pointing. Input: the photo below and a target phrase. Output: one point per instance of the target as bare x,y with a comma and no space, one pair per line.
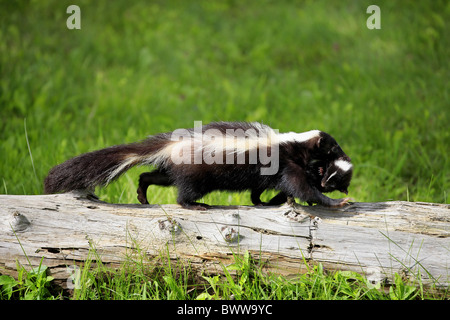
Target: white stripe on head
343,164
331,176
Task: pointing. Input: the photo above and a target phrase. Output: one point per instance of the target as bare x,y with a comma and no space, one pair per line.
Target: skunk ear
319,140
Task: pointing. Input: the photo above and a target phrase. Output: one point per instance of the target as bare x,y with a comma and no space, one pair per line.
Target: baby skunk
325,177
328,177
233,156
335,175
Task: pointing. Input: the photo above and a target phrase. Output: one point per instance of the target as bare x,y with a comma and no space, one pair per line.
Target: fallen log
375,239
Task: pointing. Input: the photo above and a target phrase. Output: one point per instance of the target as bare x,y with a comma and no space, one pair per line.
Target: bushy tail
98,168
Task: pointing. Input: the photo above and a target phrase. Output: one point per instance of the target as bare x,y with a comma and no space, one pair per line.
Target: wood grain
376,239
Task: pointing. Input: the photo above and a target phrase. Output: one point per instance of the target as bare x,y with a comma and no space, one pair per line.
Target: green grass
142,68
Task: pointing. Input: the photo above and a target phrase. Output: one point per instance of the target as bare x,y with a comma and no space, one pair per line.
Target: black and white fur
296,152
326,177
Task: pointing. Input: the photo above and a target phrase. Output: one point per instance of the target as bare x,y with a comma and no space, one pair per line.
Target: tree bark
375,239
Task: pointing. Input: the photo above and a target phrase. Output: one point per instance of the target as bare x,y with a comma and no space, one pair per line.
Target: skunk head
337,176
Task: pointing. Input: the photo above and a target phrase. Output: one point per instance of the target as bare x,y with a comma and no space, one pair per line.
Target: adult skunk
231,156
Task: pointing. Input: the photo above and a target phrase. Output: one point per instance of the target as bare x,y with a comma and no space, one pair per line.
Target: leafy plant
7,284
402,291
30,285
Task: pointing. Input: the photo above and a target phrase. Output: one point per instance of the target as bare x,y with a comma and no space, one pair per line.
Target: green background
137,68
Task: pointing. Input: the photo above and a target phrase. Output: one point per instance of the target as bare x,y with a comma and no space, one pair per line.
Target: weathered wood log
375,239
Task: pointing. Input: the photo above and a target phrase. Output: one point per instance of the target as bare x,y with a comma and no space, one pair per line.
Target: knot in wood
17,222
230,234
170,225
